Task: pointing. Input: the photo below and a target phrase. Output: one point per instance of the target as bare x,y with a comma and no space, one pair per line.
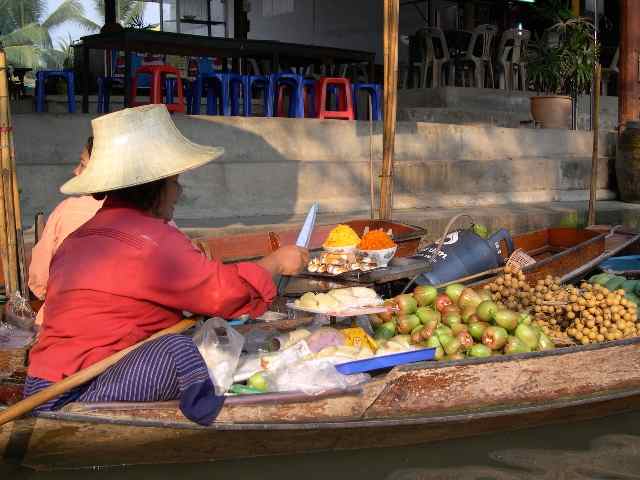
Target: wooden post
575,7
391,17
591,217
110,17
628,78
8,193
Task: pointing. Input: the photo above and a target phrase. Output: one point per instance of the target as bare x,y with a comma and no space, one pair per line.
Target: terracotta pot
551,111
628,163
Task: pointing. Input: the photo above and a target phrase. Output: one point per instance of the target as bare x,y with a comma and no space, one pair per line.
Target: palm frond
69,11
24,56
32,34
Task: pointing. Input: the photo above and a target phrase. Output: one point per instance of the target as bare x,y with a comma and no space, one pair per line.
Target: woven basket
13,362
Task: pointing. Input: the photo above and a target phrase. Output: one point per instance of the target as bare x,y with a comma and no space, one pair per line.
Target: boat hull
426,402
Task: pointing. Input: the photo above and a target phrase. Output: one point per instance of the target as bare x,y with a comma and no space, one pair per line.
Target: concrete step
496,118
517,218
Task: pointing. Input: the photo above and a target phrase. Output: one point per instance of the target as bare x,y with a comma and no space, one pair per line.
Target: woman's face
84,160
170,195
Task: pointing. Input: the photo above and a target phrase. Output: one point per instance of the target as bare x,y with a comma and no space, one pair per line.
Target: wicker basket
13,362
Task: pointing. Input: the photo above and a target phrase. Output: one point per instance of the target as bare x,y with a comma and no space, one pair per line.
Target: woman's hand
287,260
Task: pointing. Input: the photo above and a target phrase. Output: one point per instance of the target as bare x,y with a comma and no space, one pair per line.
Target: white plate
346,312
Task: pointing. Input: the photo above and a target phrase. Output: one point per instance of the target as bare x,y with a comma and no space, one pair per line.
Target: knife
304,237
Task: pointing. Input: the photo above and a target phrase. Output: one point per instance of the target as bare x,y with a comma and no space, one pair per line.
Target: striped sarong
168,368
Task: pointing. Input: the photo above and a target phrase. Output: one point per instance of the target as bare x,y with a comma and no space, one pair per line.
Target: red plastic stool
158,74
345,99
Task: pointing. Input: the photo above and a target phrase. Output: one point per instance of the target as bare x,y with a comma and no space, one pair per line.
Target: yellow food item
358,338
342,236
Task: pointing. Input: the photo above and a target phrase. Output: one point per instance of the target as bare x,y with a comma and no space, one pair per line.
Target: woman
126,274
70,214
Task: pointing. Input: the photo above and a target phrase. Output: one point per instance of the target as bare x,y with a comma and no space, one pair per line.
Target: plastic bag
220,346
18,312
311,377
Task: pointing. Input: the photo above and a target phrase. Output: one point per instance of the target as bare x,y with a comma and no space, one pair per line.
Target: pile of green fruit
460,322
617,282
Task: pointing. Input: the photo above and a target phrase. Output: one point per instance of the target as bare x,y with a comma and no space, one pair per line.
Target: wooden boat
410,404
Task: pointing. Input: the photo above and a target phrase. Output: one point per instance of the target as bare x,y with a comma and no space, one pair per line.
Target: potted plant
560,65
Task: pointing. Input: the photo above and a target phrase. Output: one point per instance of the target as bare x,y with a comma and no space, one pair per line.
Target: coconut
406,323
506,319
469,298
426,314
442,301
515,345
425,294
495,337
452,319
476,329
453,291
465,339
545,343
406,303
479,350
486,310
528,335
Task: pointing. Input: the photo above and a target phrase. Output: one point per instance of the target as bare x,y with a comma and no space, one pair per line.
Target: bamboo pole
591,217
8,220
372,187
391,17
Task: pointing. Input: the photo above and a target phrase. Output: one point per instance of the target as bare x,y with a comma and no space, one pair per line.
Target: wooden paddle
83,376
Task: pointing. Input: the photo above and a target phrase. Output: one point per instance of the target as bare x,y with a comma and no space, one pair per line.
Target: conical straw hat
135,146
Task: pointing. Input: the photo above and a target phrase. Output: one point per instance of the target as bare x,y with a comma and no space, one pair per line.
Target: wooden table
137,40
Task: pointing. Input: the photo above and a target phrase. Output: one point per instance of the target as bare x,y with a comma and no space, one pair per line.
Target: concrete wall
280,166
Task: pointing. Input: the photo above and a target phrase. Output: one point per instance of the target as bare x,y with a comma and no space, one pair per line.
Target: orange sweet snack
376,240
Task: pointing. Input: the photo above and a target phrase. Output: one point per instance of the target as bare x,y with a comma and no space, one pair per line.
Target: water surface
607,448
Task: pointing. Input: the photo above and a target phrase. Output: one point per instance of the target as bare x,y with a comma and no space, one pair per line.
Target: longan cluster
596,314
588,314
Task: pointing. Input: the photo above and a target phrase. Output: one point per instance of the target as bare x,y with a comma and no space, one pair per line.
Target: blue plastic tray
386,361
621,264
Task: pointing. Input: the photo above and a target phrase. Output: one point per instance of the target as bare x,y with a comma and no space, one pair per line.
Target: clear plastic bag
220,346
312,377
18,312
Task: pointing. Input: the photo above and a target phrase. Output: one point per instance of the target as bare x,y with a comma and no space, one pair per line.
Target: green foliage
130,12
25,31
562,59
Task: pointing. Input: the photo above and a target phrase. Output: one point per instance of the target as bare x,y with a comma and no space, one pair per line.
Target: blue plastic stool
237,82
309,86
223,96
41,77
375,91
104,92
296,83
262,82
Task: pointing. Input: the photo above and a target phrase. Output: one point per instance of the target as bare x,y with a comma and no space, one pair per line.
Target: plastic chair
421,56
511,59
374,90
159,75
612,70
440,56
481,58
345,99
41,78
